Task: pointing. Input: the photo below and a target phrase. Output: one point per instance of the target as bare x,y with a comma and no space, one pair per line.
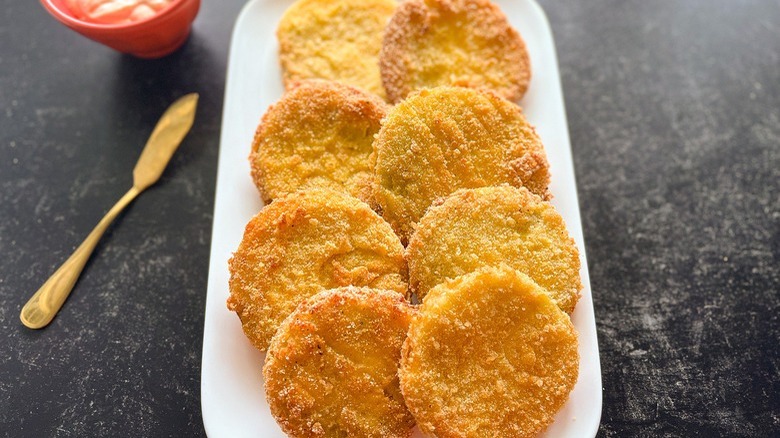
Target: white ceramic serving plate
232,390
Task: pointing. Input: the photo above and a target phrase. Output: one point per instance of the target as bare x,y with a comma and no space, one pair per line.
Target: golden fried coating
334,39
489,354
467,43
447,138
302,244
318,135
486,226
332,368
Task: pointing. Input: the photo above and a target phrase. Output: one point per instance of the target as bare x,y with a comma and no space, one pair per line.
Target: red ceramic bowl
153,37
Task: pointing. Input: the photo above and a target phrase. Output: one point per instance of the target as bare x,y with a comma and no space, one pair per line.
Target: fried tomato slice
468,43
332,368
480,227
448,138
319,134
337,40
489,354
305,243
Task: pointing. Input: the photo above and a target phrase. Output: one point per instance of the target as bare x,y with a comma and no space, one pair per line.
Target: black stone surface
674,113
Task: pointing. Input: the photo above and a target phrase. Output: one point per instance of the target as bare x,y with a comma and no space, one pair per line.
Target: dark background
674,113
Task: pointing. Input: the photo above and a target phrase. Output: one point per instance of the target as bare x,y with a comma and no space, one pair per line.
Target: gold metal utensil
165,139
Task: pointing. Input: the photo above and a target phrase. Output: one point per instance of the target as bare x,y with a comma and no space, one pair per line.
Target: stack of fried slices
408,267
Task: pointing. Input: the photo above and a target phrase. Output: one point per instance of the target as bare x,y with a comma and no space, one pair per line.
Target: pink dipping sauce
115,11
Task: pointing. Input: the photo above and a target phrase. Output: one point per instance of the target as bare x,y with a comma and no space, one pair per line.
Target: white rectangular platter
232,390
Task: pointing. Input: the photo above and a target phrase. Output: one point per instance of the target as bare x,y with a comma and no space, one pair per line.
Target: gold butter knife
165,139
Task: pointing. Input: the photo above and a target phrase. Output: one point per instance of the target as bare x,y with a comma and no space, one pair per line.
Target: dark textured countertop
674,113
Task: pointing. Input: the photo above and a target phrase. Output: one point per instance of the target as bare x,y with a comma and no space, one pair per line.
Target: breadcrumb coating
486,226
447,138
332,368
337,40
305,243
468,43
319,134
489,354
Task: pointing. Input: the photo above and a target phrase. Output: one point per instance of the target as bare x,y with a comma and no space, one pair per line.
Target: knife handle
44,304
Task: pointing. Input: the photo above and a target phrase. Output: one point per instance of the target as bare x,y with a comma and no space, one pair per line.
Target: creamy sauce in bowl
115,11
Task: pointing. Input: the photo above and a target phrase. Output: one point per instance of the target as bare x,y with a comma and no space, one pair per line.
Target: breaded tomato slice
319,134
337,40
305,243
489,354
332,368
468,43
448,138
480,227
